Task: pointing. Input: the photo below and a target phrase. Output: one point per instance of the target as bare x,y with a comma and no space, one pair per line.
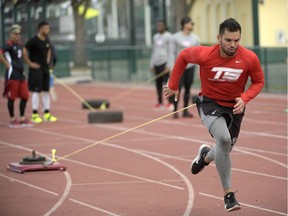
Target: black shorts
209,111
38,80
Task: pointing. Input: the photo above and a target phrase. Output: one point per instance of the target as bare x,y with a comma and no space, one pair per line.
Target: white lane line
264,134
261,151
265,122
234,169
186,138
255,121
186,180
254,133
27,184
122,173
204,141
162,136
94,207
263,157
66,174
55,194
247,205
210,143
121,182
260,174
64,195
22,148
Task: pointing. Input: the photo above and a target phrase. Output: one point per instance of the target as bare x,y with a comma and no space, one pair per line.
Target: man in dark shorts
224,72
15,81
37,54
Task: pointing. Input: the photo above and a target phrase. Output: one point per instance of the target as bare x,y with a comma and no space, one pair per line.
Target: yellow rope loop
119,96
123,132
139,86
75,94
113,98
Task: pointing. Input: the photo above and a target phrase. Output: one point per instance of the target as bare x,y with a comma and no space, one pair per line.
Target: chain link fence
131,64
127,64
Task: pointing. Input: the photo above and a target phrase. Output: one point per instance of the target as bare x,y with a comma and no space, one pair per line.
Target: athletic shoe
198,163
36,119
231,203
186,114
159,106
175,116
26,123
49,117
169,107
14,124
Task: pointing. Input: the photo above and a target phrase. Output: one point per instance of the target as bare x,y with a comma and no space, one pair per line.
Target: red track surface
145,171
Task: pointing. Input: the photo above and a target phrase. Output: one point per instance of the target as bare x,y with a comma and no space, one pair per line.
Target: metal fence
131,64
274,63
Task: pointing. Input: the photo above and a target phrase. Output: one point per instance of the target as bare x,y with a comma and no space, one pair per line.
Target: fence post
265,68
2,21
109,64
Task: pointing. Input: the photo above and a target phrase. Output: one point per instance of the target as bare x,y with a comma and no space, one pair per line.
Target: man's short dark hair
231,25
162,21
41,24
185,20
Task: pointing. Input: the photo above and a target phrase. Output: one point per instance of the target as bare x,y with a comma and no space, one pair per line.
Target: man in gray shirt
159,60
181,40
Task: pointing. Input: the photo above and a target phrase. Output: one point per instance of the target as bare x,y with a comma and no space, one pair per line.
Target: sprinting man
11,55
224,71
181,40
37,54
159,60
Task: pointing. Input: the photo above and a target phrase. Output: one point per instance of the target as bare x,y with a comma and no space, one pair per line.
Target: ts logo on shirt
223,74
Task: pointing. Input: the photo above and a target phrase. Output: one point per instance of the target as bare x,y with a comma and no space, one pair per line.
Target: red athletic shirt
222,79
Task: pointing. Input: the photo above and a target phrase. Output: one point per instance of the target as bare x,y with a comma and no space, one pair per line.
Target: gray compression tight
220,152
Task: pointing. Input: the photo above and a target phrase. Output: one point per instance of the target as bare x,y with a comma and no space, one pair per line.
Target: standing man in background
159,60
181,40
11,55
37,54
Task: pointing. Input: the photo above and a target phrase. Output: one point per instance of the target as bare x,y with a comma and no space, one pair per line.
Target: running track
145,171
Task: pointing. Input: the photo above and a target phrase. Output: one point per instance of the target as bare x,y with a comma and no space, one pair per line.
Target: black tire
96,104
105,117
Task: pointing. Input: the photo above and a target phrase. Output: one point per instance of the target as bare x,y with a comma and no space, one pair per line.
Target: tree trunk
183,8
80,52
80,56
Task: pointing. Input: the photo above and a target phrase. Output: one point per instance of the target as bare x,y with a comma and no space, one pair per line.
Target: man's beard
228,53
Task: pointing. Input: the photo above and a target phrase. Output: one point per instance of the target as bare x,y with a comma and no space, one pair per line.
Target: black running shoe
186,114
175,116
198,163
231,203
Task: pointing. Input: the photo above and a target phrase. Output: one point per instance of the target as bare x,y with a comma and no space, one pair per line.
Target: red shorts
16,88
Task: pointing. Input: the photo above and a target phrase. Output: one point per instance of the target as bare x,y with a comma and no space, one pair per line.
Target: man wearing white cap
15,81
